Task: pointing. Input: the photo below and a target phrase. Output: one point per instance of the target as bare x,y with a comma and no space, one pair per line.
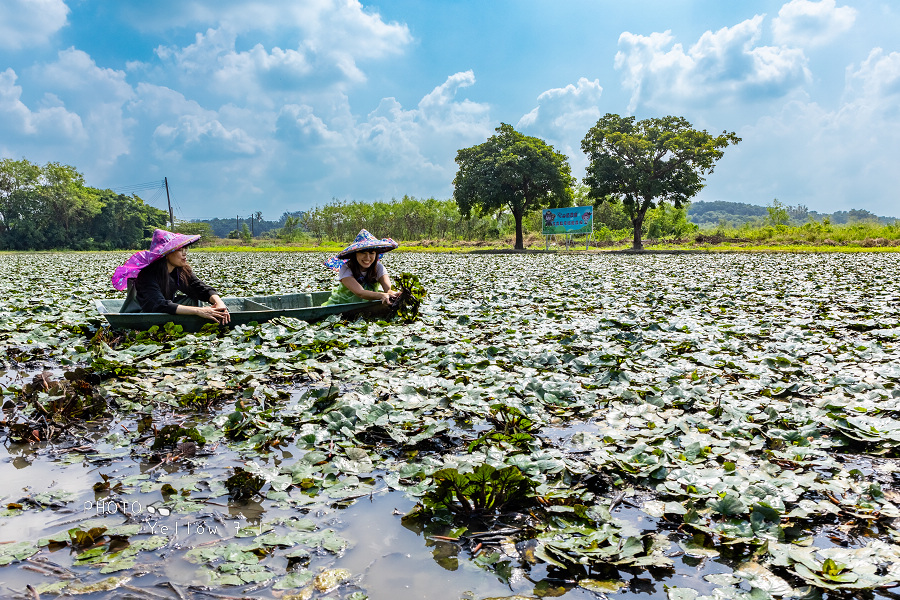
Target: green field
690,425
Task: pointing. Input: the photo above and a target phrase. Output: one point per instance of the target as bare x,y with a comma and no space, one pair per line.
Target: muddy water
388,560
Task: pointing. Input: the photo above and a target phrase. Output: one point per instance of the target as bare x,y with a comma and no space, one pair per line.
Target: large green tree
511,170
49,207
648,162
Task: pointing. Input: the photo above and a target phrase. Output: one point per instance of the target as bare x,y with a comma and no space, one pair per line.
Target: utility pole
169,200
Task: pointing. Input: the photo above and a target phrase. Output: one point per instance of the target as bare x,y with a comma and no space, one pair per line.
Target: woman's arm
386,285
355,287
218,311
219,314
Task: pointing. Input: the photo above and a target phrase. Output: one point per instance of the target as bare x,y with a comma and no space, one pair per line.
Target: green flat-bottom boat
306,307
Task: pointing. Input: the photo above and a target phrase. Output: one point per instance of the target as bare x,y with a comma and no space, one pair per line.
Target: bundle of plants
406,305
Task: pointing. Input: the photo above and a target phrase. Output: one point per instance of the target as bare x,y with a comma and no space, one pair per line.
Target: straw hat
163,242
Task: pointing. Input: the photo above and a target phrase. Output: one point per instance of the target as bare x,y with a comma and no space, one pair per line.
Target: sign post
568,221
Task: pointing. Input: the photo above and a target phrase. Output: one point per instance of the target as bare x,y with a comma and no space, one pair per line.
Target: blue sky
278,106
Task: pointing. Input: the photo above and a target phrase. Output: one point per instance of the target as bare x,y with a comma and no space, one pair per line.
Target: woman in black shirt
160,280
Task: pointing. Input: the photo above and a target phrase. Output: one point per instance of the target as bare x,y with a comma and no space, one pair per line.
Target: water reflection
251,510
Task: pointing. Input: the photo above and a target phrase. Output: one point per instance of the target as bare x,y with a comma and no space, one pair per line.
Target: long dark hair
367,278
159,270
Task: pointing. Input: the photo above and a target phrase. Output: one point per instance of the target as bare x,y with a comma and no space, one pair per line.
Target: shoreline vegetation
50,208
436,226
810,237
536,244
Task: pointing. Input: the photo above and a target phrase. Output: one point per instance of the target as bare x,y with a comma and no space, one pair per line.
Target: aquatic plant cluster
551,425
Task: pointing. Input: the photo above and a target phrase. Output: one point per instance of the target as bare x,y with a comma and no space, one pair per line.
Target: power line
159,186
137,187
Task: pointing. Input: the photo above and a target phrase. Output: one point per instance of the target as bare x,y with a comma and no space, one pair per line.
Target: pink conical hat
163,243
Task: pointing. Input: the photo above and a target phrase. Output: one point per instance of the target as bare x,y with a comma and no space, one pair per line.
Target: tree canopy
49,207
649,162
512,170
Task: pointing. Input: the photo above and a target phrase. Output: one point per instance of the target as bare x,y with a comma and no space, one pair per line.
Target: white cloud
416,148
299,46
876,83
563,117
298,125
23,128
98,95
827,159
76,73
203,138
343,26
28,23
805,23
565,108
392,151
178,128
722,67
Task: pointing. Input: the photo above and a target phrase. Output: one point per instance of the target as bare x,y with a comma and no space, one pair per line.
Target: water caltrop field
687,427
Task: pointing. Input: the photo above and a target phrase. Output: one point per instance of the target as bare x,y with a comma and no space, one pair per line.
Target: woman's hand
390,297
218,313
221,311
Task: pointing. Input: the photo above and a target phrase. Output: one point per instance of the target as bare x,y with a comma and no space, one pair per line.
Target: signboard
575,219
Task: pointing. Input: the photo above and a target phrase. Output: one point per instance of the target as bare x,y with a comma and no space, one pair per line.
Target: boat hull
253,309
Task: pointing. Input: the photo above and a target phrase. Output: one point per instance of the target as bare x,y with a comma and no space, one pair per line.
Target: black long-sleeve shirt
151,291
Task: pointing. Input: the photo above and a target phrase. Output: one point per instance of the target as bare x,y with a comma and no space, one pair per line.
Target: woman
160,280
359,270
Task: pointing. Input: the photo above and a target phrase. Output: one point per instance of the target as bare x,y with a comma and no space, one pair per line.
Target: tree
291,231
70,204
513,170
778,214
648,162
124,222
204,230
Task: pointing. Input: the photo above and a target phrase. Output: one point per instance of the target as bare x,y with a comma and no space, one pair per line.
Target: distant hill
735,214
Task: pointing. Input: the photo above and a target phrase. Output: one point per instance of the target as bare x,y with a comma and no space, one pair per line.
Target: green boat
306,307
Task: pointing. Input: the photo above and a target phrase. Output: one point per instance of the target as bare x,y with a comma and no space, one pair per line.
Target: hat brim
380,249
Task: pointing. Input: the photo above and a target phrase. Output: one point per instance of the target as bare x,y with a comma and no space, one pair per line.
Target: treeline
429,219
50,208
405,219
737,214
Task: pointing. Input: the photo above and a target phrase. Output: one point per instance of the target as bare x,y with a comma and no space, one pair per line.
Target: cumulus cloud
828,159
23,126
570,107
726,66
28,23
390,152
563,117
178,128
98,95
805,23
417,147
298,125
299,46
876,82
76,73
200,137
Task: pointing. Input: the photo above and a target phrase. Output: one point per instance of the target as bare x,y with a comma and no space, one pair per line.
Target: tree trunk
520,239
638,222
